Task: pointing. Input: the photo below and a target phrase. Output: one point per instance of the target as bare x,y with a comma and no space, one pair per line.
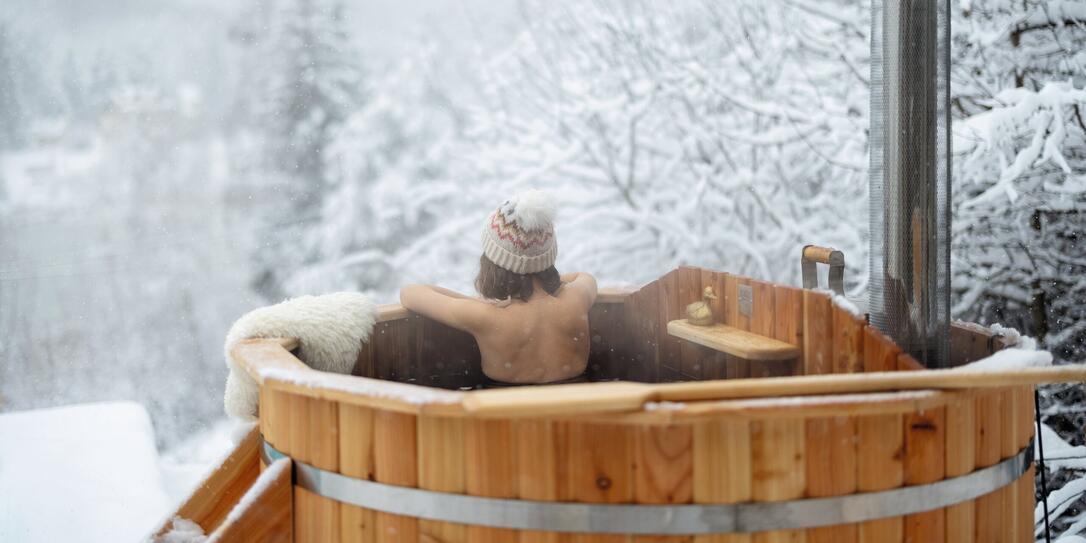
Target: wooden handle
823,255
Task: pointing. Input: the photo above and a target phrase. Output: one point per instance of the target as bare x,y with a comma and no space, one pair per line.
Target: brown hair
498,283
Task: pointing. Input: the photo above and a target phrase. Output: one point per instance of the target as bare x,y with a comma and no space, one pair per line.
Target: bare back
539,341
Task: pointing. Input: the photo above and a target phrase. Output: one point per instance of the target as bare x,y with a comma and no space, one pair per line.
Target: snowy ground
95,466
79,473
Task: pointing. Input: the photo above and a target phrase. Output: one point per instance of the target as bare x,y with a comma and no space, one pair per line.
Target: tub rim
272,365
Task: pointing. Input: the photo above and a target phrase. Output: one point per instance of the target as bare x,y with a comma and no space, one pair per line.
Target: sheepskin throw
330,330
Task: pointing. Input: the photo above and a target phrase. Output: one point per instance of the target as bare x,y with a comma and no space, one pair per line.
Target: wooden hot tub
677,441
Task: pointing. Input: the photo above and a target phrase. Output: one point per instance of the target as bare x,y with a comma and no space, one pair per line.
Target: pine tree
310,83
314,87
1020,197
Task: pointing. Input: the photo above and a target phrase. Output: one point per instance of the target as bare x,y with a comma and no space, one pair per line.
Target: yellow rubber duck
700,313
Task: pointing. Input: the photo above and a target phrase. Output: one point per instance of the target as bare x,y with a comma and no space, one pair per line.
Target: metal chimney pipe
910,176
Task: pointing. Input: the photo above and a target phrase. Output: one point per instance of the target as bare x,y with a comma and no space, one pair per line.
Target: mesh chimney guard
910,176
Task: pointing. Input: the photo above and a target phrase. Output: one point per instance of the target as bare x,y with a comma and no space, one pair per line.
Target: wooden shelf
733,341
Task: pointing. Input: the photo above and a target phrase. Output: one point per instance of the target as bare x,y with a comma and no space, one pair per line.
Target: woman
531,323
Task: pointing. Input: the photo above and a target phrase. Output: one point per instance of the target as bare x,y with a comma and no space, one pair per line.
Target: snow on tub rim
847,431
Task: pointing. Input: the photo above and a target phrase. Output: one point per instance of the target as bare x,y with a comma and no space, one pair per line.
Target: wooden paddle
626,396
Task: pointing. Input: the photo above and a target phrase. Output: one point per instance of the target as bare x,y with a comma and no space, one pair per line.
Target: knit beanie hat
519,235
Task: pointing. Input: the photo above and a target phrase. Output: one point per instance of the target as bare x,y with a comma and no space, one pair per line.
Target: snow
79,473
664,406
805,401
1010,335
413,394
1060,454
267,477
186,464
1009,359
1059,500
182,530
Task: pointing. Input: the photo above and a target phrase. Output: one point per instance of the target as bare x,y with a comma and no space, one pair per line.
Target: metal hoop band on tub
655,519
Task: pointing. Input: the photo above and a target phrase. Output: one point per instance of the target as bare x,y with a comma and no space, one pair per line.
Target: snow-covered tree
725,134
1019,253
1020,138
390,169
720,134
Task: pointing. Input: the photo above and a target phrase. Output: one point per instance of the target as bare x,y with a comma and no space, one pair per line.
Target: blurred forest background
166,166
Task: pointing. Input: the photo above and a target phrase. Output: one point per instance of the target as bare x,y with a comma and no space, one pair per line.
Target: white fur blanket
330,330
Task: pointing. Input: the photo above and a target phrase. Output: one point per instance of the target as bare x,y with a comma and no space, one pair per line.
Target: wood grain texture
989,448
542,468
314,439
736,367
618,397
960,459
395,462
722,468
607,331
301,449
695,361
1026,497
490,469
446,357
254,355
762,323
880,466
268,517
906,362
848,341
718,367
364,365
356,459
880,354
441,456
670,308
733,341
216,495
778,469
394,349
324,432
788,322
925,445
690,289
664,469
1009,447
601,468
817,333
641,322
831,470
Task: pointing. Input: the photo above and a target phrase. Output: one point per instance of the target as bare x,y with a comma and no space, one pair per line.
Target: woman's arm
444,305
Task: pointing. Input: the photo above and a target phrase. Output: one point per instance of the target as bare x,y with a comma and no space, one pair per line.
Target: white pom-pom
531,210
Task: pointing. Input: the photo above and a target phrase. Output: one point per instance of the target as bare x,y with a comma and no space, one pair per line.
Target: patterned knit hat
519,235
